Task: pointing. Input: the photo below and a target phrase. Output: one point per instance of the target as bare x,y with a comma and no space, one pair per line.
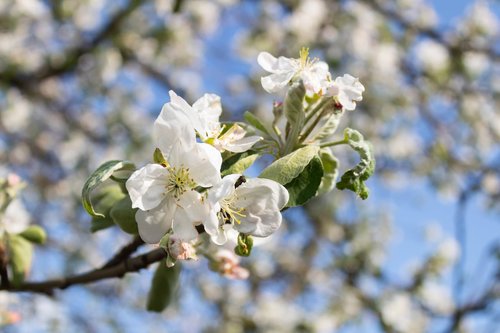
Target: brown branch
125,252
130,265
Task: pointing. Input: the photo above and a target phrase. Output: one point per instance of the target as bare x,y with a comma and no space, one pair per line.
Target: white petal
208,107
242,145
262,200
196,209
172,126
217,233
191,211
146,186
183,228
275,82
261,225
222,189
276,192
267,61
204,163
15,219
153,224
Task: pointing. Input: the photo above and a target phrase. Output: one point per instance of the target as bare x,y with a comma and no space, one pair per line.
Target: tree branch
130,265
27,80
125,252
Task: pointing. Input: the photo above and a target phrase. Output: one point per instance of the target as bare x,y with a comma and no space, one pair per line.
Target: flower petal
204,163
241,145
222,189
267,61
146,186
174,125
183,228
262,200
208,109
153,224
275,82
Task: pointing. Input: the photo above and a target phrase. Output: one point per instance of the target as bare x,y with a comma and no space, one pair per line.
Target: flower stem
318,107
311,127
333,143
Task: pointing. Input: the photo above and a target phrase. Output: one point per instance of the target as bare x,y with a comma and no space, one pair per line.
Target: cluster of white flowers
346,89
185,191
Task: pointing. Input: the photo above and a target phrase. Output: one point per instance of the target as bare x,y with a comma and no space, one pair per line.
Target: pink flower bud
180,250
228,264
13,179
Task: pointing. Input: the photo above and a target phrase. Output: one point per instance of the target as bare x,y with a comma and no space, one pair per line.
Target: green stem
311,127
316,109
333,143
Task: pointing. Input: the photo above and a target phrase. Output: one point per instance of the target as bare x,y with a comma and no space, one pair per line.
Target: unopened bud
228,264
180,250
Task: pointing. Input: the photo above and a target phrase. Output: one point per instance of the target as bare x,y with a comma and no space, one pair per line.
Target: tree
82,82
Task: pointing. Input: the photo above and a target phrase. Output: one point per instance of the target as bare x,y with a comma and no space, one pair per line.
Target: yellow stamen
179,181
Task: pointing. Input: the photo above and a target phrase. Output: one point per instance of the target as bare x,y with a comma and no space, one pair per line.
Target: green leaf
306,184
329,127
102,173
163,287
158,157
255,122
287,168
354,179
330,171
20,258
101,223
238,163
105,198
294,112
244,246
34,234
123,215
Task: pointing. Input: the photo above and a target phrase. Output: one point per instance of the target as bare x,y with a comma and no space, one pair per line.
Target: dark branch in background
71,56
482,303
118,270
459,47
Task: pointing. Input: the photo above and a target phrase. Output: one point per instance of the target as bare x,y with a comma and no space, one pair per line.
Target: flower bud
228,264
180,250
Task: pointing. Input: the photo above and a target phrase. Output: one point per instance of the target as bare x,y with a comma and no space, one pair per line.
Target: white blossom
165,194
432,56
437,298
312,72
348,90
252,208
204,118
402,314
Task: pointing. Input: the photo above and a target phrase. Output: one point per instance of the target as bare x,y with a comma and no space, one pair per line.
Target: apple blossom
204,119
165,194
251,208
228,264
347,90
312,72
